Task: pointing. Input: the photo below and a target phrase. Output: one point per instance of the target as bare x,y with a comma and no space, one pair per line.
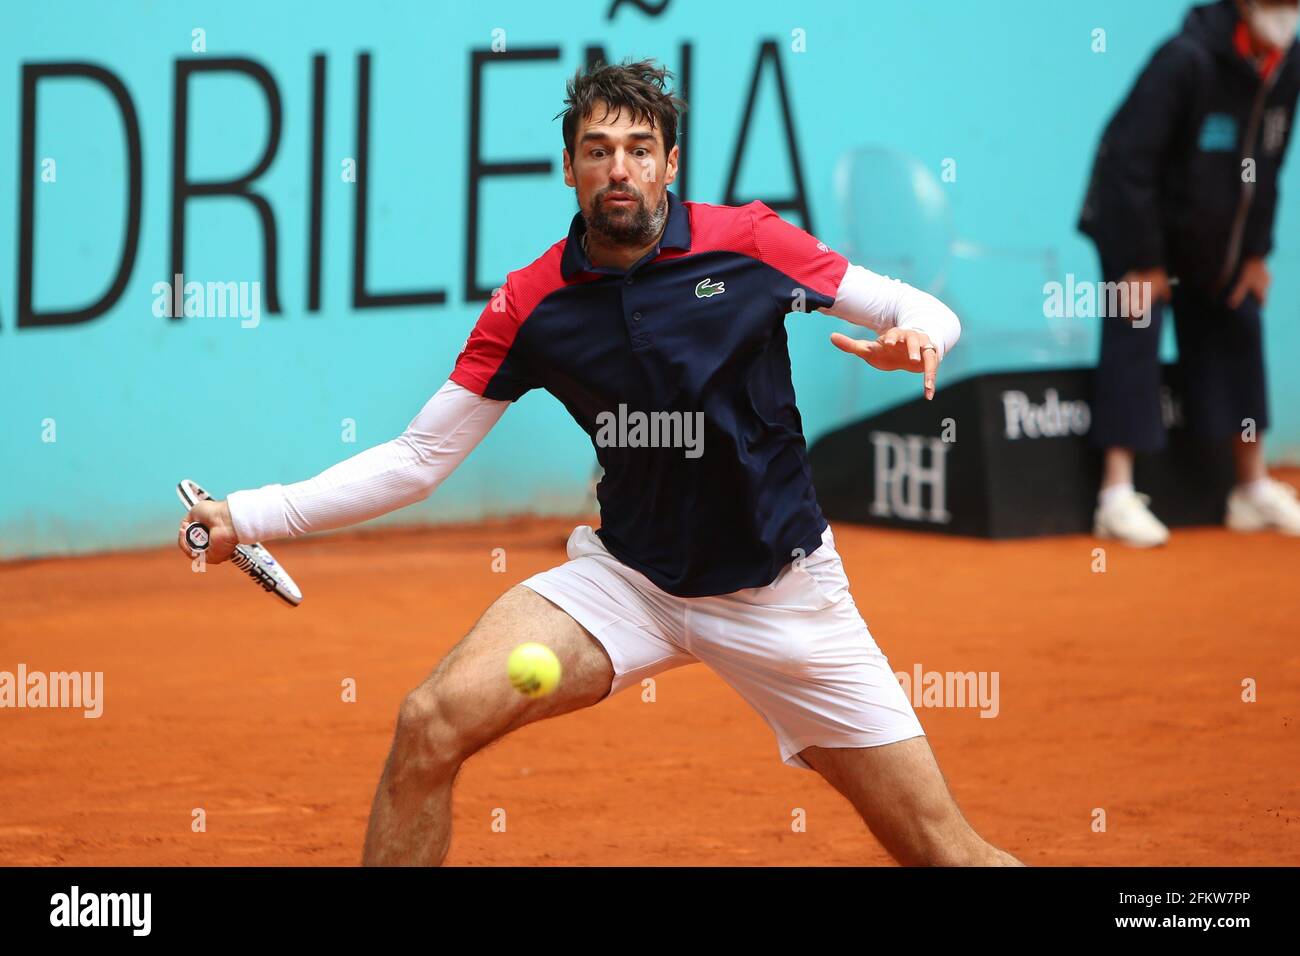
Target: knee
429,741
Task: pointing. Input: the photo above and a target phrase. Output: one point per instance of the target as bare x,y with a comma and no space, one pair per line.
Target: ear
568,170
670,166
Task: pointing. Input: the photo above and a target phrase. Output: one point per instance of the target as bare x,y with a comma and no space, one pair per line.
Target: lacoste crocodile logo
707,288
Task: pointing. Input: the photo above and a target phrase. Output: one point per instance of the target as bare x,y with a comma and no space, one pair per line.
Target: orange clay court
1119,690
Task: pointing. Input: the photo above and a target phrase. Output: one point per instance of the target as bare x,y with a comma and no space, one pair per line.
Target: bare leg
1117,468
901,794
1250,460
464,705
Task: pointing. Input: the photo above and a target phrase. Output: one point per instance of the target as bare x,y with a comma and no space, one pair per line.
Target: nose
619,172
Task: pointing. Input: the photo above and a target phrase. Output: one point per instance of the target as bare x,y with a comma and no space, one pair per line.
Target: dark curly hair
639,86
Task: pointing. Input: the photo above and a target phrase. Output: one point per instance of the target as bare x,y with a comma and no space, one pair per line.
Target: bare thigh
470,698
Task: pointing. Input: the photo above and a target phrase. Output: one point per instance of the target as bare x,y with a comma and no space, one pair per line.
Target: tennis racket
253,559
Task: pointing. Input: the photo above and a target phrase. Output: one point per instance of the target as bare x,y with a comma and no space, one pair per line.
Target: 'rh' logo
901,475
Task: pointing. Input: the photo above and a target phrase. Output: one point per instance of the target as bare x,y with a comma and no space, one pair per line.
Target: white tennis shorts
797,650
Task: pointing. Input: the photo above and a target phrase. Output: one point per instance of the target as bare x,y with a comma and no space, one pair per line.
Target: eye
642,152
597,153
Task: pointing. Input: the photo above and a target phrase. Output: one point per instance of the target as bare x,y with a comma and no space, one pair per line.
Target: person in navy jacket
1181,206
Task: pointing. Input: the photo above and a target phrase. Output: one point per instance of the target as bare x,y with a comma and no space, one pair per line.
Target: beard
630,227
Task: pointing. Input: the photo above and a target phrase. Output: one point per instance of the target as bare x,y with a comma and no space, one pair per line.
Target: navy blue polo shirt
695,328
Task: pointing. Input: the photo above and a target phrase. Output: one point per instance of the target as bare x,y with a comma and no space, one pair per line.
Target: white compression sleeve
879,302
376,481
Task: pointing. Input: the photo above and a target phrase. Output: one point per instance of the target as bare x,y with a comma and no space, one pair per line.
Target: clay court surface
1119,690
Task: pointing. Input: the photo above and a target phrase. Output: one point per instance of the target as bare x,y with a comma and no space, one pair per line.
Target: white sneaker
1126,516
1276,508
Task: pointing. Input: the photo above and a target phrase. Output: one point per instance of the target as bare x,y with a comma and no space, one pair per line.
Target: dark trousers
1221,352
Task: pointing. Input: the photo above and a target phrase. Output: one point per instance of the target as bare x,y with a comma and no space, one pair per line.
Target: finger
859,347
1238,295
913,340
870,352
844,343
931,359
1259,289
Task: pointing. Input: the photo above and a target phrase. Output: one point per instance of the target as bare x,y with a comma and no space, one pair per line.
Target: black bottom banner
550,906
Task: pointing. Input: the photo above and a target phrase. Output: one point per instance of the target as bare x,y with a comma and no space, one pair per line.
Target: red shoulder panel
498,324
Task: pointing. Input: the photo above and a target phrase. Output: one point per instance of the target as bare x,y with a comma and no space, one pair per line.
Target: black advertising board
1006,455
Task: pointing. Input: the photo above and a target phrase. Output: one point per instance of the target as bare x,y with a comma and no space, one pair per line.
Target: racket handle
197,536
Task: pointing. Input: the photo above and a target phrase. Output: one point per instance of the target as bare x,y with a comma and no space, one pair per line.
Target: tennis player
711,547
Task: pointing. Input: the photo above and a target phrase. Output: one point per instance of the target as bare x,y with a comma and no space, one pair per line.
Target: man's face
620,174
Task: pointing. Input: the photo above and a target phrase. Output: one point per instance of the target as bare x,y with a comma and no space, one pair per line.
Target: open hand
896,350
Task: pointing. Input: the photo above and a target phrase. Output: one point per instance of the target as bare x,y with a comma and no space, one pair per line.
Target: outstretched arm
376,481
917,330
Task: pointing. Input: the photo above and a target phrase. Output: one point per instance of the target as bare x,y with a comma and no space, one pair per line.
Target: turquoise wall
1011,90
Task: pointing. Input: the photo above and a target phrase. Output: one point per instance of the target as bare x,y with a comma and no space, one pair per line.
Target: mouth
620,200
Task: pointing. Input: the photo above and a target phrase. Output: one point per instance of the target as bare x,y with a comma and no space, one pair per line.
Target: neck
611,256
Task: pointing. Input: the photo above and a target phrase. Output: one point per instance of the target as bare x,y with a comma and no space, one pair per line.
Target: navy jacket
1168,185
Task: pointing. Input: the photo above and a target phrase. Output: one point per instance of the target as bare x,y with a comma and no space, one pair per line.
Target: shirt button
629,281
636,316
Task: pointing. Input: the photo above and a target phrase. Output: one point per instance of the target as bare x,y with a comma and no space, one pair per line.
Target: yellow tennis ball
534,669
